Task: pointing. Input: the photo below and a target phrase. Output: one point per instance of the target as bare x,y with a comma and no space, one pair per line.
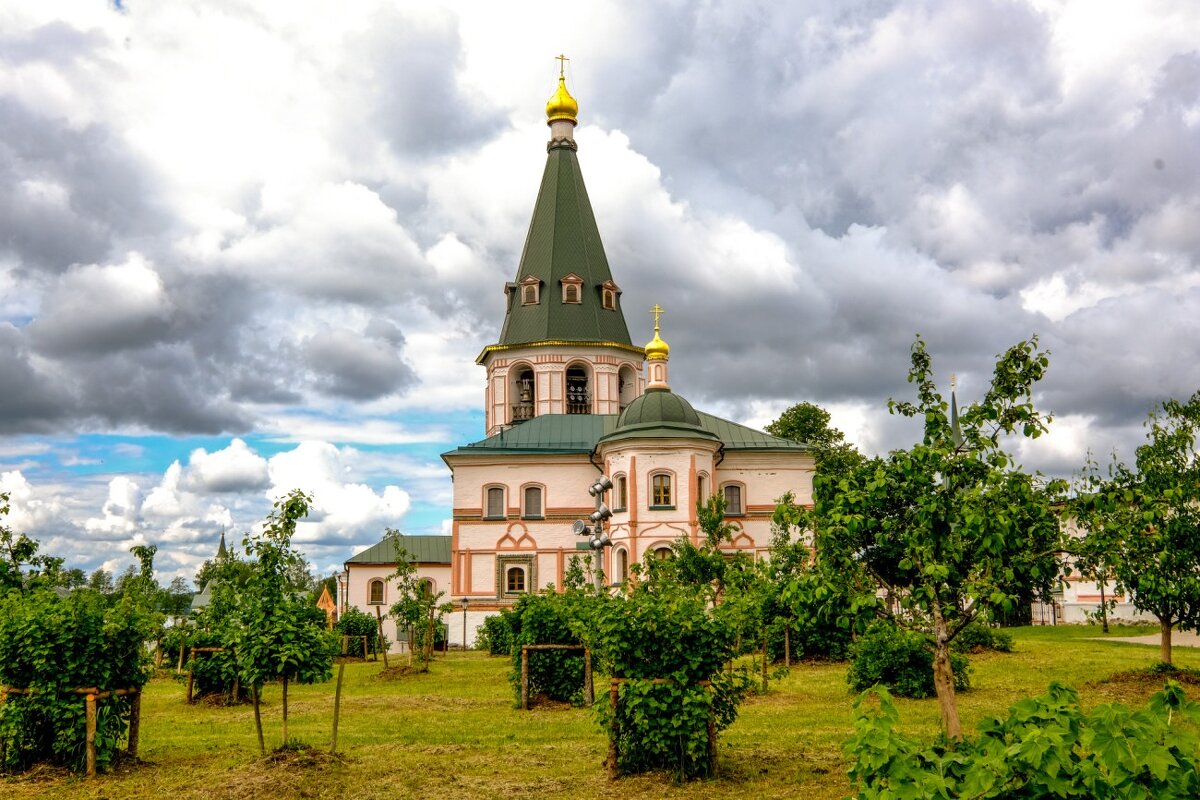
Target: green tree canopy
1144,525
951,527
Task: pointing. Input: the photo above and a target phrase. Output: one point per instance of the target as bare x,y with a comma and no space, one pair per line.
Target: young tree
416,606
1147,523
952,527
281,638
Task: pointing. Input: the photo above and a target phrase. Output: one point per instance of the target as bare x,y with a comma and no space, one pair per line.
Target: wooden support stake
285,731
179,668
589,690
787,646
262,747
764,664
382,646
364,642
90,701
524,678
135,723
614,734
337,707
191,680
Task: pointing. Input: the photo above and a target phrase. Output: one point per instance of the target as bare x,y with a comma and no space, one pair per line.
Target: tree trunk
1165,645
943,677
1103,608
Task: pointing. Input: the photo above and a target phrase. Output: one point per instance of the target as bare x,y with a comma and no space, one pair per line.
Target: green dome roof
659,414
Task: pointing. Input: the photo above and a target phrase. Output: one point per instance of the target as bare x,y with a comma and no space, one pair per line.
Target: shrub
555,674
358,623
900,660
977,637
655,634
495,634
54,644
1045,747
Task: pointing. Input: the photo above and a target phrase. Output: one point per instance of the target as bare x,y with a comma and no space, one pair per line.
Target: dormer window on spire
531,289
572,289
608,295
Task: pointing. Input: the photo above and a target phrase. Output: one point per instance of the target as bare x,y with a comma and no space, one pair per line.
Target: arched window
733,499
495,503
610,300
375,593
570,293
427,587
622,565
522,394
626,385
579,397
662,552
514,579
530,289
533,503
660,491
621,494
702,488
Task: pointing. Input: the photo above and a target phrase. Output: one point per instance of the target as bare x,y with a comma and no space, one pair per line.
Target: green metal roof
579,433
420,549
563,240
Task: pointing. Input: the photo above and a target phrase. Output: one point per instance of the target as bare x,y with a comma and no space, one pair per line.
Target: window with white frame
514,580
621,496
733,499
660,490
495,503
533,503
375,592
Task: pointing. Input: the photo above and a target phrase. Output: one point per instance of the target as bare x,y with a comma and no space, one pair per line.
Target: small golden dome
562,105
657,349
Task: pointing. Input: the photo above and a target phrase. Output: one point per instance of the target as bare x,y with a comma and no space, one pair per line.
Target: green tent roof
563,240
579,433
420,549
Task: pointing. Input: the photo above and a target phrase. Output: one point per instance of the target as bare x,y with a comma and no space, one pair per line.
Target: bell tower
564,346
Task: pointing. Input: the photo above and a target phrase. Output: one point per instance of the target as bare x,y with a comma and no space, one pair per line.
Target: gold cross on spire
562,65
657,311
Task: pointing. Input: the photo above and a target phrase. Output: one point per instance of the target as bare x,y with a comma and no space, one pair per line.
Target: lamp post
465,603
598,537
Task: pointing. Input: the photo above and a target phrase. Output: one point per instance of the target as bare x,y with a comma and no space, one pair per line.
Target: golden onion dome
562,105
657,349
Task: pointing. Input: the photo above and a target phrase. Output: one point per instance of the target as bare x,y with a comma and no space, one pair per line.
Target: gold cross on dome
657,311
562,64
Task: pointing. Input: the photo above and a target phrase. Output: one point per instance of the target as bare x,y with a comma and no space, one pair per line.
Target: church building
570,399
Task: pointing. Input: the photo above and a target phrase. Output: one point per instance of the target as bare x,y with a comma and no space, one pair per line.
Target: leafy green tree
951,527
280,639
21,567
101,581
808,423
821,605
1145,524
416,607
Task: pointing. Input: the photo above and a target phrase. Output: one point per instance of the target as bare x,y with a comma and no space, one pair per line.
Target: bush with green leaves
901,660
53,644
1046,747
546,618
666,644
357,623
495,634
978,637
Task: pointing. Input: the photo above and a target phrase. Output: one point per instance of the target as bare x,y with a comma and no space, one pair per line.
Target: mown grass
454,733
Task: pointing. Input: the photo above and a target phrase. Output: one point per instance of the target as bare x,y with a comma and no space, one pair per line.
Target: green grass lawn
454,733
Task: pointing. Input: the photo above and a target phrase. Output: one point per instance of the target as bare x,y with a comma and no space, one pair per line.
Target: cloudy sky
250,245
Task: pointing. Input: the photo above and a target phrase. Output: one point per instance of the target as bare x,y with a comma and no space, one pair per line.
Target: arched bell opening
522,391
579,390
